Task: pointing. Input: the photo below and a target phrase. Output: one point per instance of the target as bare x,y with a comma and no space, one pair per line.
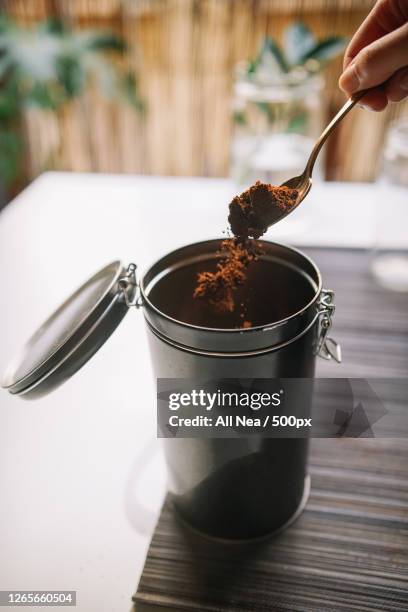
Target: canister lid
73,333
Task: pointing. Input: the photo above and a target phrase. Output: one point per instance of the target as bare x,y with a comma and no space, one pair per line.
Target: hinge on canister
129,287
327,348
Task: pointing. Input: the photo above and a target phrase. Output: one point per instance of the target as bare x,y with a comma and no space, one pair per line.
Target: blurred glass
390,260
276,122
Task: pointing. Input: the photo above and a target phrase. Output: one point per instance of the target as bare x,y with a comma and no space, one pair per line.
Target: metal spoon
303,183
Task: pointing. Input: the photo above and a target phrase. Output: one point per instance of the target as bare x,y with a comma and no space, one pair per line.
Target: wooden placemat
371,323
348,551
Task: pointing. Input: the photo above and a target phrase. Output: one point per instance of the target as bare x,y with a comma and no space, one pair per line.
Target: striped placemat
348,551
371,323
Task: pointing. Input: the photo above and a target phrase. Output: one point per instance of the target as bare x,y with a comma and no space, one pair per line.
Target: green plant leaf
297,123
251,66
129,89
5,66
298,41
326,49
267,109
10,155
54,26
5,23
270,59
71,75
43,96
270,48
106,42
239,118
9,104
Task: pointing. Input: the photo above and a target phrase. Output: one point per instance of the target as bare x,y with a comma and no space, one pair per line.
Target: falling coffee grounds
218,287
250,215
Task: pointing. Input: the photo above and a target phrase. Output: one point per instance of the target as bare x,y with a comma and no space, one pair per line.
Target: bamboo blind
184,52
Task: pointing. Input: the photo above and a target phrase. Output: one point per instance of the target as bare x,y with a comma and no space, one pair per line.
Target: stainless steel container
238,488
227,488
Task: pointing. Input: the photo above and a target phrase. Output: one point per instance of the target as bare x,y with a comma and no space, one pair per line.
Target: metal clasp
128,286
327,348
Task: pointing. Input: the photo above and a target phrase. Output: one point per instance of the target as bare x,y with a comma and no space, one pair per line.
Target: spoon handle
326,133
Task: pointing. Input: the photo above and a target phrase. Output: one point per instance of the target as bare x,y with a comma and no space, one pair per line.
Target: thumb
374,64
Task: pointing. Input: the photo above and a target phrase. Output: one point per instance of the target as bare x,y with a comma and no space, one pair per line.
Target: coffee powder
250,215
252,212
218,287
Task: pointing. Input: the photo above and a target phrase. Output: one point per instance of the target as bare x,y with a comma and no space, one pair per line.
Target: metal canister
227,488
238,488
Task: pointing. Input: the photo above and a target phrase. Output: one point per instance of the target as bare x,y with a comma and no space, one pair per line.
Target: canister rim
265,326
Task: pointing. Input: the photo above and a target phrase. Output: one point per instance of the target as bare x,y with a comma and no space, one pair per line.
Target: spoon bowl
303,184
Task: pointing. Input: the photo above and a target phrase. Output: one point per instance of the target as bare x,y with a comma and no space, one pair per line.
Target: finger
369,31
397,86
377,62
386,16
375,100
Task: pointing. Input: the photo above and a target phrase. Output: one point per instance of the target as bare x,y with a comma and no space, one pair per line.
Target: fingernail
364,106
349,81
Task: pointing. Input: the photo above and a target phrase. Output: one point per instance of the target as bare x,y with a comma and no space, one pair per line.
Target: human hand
377,56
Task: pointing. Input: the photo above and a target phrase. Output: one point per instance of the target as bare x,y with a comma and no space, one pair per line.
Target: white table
76,466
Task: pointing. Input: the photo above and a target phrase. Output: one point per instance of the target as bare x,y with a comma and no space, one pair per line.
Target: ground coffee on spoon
250,215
